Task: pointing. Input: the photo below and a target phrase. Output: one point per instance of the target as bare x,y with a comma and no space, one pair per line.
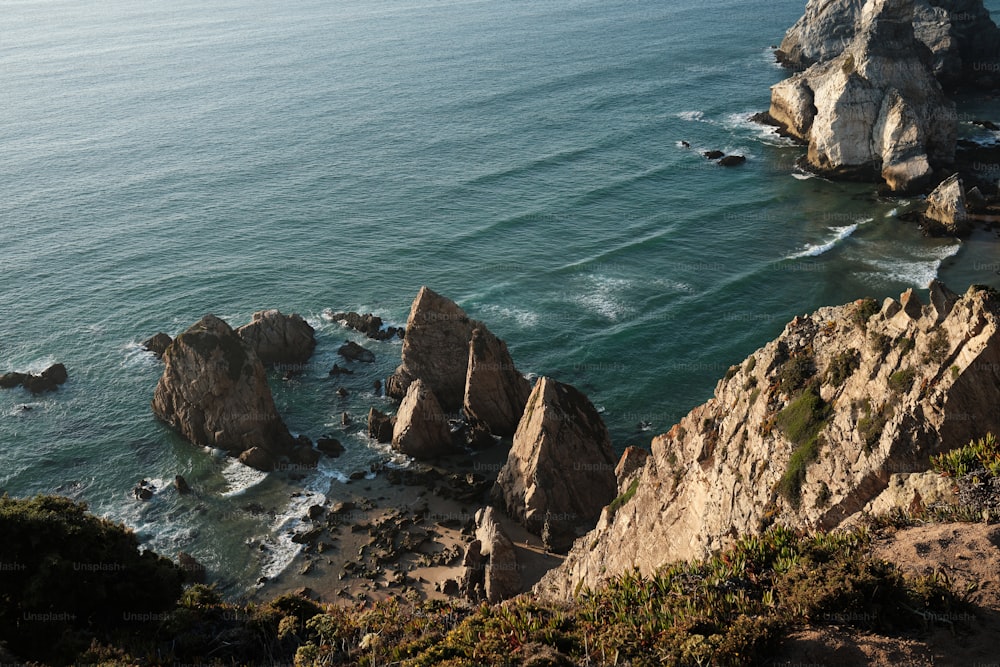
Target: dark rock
354,352
37,384
345,419
686,144
315,512
380,426
11,380
193,570
987,124
450,587
713,155
370,325
307,536
144,490
342,392
158,344
258,458
278,338
337,370
330,446
181,485
358,474
732,160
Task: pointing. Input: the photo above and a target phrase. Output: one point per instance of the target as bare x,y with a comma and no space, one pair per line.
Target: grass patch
801,421
842,366
901,381
623,498
795,373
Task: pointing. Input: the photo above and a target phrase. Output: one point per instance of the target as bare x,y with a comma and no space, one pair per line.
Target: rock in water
874,111
492,572
959,33
278,338
495,391
353,352
214,392
158,344
380,426
884,389
560,470
946,211
421,429
435,349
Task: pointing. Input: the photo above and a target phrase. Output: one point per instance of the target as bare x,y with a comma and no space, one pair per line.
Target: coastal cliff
805,432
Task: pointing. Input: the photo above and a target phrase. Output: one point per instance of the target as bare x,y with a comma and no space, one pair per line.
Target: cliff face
876,109
959,33
805,431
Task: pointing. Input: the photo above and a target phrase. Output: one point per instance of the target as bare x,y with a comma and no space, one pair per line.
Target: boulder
48,380
492,572
56,374
732,160
380,426
329,446
435,349
158,344
959,34
279,339
11,380
181,485
354,352
946,213
421,428
214,392
874,112
560,471
495,391
713,155
370,325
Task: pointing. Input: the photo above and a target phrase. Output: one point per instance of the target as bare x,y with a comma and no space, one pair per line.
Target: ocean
163,160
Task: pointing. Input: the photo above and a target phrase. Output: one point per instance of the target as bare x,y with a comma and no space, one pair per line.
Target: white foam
814,250
768,133
893,213
137,355
691,115
605,298
803,175
917,272
525,318
240,477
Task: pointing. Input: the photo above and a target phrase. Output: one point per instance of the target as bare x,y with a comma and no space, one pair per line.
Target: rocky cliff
961,36
214,391
805,432
875,110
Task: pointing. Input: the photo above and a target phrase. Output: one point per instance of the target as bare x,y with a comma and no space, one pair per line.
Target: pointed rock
946,213
561,468
421,429
214,392
495,391
380,426
492,571
158,344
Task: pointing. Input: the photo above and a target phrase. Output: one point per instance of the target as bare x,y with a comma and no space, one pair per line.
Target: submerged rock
370,325
214,392
279,339
353,352
875,111
882,389
560,470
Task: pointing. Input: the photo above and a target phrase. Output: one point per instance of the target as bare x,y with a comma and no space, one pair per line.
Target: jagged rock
48,380
380,426
875,111
889,390
928,488
632,461
946,213
495,391
279,339
492,572
11,380
144,490
436,349
329,446
370,325
421,428
158,344
560,469
713,155
338,370
214,391
354,352
181,485
960,35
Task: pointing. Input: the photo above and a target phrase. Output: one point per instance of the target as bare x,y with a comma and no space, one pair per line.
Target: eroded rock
421,428
495,391
279,339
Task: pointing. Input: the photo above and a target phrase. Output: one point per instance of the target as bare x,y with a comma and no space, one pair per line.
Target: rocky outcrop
491,569
560,470
946,213
48,380
913,493
806,431
421,428
435,349
960,35
380,426
875,111
495,391
370,325
353,352
629,466
279,339
214,392
158,344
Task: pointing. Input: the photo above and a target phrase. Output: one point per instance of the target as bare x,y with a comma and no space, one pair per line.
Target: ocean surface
163,160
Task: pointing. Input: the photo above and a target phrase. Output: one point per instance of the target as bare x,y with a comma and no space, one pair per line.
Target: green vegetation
801,421
880,343
937,347
905,344
842,366
795,373
863,311
871,425
750,365
731,371
901,381
625,497
983,454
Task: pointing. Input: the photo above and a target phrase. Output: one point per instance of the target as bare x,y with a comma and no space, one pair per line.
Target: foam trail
816,250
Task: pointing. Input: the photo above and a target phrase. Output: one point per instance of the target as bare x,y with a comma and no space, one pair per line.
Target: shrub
842,365
937,347
982,454
863,311
880,343
623,498
795,373
901,381
801,421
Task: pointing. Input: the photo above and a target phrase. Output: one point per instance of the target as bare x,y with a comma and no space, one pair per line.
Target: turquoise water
159,161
